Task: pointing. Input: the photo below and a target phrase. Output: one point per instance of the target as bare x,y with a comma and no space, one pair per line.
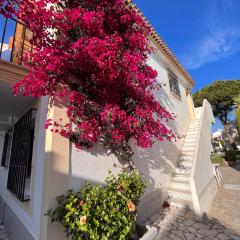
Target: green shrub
231,155
217,159
101,212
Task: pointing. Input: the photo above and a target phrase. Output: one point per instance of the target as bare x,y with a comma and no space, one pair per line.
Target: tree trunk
231,144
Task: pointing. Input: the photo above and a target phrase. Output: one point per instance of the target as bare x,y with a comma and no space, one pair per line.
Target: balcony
14,44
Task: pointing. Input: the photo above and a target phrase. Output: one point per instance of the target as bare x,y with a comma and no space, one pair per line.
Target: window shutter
173,82
21,155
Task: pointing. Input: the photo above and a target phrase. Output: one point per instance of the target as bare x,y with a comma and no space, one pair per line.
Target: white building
220,136
218,141
38,165
233,131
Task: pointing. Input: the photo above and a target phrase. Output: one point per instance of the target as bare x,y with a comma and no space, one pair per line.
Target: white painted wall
202,180
30,213
156,164
3,171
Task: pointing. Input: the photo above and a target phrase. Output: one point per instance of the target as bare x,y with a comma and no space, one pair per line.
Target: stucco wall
3,173
53,174
202,179
156,164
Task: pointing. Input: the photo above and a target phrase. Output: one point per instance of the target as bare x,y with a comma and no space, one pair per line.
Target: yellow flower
83,220
131,206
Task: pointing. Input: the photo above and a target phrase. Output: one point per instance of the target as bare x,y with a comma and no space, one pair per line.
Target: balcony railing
14,40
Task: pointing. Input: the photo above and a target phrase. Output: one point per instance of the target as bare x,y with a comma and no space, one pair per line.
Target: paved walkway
226,204
222,222
183,224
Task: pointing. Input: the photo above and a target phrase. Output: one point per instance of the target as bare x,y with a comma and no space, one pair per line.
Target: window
7,148
173,82
21,157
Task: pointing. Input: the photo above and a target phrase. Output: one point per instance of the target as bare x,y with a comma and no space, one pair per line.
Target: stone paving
226,204
183,224
222,222
3,235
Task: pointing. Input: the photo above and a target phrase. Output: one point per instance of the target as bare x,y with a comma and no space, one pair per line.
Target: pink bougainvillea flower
92,56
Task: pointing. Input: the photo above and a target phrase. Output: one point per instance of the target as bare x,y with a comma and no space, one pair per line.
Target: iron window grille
21,156
173,82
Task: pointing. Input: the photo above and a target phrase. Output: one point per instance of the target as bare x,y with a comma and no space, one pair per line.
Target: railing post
19,36
3,36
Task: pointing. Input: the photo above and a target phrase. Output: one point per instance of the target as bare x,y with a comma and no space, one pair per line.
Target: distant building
233,132
217,141
220,136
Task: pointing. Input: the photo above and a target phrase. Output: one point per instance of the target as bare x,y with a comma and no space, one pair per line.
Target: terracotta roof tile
161,44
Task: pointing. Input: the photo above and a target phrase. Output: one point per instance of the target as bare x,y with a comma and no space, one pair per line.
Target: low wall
13,225
207,195
202,178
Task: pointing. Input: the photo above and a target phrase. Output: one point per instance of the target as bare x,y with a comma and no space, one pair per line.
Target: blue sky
204,35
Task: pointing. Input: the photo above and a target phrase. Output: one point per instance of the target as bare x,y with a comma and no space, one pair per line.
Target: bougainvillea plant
93,54
9,7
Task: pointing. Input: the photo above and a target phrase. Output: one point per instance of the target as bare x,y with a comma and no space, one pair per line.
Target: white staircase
180,191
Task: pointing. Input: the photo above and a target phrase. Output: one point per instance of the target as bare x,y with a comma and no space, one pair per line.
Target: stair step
191,137
183,171
194,121
181,203
192,132
194,126
190,148
187,153
185,164
181,194
180,177
183,185
189,140
189,144
186,158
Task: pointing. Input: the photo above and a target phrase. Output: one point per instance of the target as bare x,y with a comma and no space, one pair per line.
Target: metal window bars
21,156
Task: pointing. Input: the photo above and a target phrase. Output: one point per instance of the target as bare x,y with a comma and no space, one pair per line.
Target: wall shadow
185,224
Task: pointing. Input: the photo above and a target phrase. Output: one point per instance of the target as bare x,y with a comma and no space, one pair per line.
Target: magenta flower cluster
93,54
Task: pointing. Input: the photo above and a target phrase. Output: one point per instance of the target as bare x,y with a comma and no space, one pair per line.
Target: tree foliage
94,54
221,95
